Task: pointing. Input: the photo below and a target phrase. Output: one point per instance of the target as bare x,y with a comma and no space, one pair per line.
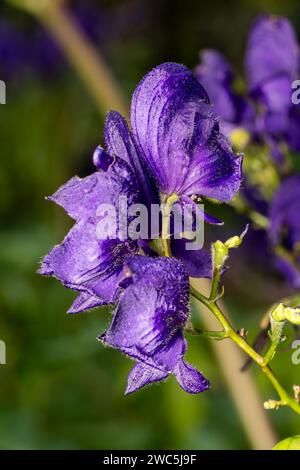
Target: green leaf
290,443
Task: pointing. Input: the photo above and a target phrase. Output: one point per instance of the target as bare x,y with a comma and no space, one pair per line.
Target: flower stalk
278,317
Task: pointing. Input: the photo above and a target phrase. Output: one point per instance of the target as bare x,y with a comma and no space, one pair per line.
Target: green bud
220,254
221,249
272,405
233,242
282,313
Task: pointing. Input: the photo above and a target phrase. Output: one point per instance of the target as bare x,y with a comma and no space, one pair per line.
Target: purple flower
175,147
192,157
272,63
148,324
179,137
285,228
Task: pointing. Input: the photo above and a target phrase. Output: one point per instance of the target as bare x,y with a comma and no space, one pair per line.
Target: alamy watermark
2,352
2,92
138,221
296,92
296,353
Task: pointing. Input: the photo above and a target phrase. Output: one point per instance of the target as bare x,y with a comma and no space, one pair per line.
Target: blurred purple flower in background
32,50
14,51
23,50
285,228
272,63
217,77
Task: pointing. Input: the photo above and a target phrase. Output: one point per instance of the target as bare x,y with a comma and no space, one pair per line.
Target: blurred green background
60,388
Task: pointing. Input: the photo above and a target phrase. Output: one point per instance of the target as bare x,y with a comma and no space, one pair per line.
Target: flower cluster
272,64
264,117
174,147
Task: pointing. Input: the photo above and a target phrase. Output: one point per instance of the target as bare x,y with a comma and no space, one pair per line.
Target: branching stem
229,332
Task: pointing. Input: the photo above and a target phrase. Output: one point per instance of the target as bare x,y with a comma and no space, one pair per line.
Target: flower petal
198,263
82,197
120,142
84,263
190,379
149,320
141,374
215,171
152,309
162,111
85,301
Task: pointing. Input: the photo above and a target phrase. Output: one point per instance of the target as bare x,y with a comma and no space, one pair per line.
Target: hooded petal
177,133
149,320
162,107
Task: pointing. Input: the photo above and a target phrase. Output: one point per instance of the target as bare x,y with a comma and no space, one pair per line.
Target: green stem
167,202
276,337
285,398
215,285
217,335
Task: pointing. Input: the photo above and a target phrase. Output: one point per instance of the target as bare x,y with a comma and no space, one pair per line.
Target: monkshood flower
284,229
148,324
176,149
272,63
181,151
